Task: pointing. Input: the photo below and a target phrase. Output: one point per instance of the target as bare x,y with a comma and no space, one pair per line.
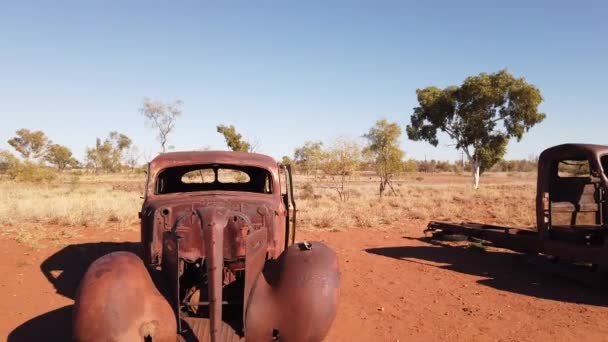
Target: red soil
394,288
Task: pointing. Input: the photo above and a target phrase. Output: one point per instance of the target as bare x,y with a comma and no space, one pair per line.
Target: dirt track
394,288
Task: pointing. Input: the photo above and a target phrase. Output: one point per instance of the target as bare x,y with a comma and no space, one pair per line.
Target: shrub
31,173
308,191
8,162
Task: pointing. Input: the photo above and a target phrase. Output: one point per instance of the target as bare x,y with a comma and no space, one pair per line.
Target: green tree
161,117
309,157
340,162
234,140
60,157
131,156
480,116
24,171
30,144
288,161
8,162
107,155
410,166
383,147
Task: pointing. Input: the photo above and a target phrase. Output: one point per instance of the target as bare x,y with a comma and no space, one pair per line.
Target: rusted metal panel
117,301
171,266
304,282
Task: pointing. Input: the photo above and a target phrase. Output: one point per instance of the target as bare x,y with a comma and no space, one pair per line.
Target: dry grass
503,200
33,212
36,214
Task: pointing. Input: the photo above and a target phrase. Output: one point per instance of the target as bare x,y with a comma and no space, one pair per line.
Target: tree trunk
475,173
475,166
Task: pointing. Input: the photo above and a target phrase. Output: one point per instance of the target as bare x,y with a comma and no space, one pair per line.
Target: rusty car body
219,227
571,209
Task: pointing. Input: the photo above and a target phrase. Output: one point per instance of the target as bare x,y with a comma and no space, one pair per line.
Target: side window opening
604,161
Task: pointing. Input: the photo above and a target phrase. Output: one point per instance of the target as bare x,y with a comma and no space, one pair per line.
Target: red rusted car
220,262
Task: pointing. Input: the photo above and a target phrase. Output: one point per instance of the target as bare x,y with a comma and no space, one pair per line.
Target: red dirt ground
394,288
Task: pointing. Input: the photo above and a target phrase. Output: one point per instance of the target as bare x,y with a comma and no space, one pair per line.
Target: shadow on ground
523,274
64,270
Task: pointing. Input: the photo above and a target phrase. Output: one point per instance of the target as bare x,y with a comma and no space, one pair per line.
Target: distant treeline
431,166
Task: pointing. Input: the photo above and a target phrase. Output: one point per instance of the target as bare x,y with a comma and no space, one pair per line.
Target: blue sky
285,72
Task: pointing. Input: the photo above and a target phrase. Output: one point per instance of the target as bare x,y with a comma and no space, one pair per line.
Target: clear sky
284,72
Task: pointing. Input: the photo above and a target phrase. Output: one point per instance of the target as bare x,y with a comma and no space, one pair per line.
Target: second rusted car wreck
218,237
571,209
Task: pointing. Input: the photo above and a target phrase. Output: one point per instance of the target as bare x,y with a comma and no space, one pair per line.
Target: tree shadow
64,270
534,276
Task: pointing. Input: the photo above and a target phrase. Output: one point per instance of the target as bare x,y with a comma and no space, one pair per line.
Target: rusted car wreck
219,229
571,209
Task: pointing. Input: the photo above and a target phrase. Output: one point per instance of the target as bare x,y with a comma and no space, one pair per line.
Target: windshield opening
214,177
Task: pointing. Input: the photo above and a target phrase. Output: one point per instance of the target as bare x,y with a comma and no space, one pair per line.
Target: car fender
295,298
118,301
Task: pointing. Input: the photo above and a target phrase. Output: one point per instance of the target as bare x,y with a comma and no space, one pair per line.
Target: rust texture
571,210
226,250
117,301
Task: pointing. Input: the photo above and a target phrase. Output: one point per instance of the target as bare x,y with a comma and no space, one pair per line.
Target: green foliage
108,155
522,165
161,117
481,115
410,165
120,141
234,140
490,153
30,144
60,157
383,147
31,173
24,171
436,166
287,161
340,162
8,162
309,157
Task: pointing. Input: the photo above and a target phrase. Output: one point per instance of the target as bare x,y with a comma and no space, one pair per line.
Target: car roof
184,158
572,151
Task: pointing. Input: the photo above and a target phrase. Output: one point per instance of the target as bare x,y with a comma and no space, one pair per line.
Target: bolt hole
235,218
275,334
165,212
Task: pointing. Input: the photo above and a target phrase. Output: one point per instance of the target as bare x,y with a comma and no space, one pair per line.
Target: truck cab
571,193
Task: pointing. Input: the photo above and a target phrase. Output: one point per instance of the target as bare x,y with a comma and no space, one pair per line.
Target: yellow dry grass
502,200
35,214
